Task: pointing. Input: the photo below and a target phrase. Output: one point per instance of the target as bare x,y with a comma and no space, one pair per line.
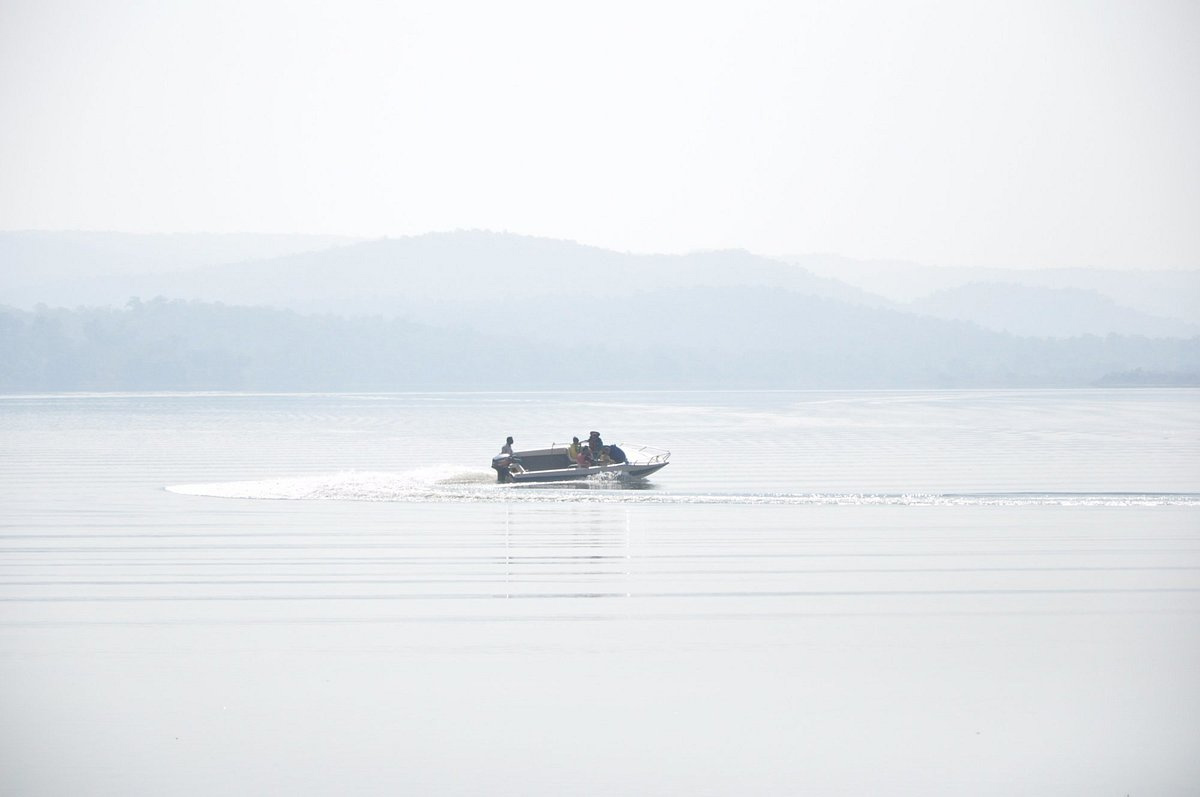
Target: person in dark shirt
505,458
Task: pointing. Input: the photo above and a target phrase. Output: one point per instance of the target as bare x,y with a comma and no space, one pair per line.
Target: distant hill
1045,312
1170,295
698,318
425,276
477,272
688,338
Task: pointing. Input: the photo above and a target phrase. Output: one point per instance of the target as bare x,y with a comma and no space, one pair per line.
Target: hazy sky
1014,133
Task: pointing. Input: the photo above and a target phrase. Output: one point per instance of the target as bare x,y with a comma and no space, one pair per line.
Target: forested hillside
713,338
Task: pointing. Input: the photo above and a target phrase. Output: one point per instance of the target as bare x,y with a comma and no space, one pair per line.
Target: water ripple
455,484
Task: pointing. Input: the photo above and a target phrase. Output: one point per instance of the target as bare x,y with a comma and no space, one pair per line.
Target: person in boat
595,445
505,458
584,458
615,454
575,453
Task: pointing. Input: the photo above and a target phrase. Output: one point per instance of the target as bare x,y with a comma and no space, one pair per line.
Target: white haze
1024,134
911,291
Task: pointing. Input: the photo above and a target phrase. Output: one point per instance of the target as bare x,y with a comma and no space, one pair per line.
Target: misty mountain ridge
1045,312
477,271
1162,294
717,338
480,310
473,277
473,270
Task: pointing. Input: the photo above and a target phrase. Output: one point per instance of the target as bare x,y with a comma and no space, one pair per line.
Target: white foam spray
456,484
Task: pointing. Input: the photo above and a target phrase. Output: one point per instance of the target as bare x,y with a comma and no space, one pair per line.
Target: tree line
774,340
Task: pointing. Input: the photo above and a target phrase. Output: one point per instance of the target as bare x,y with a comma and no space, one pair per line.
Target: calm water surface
868,592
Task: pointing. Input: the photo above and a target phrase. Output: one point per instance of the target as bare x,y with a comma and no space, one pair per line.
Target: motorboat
553,465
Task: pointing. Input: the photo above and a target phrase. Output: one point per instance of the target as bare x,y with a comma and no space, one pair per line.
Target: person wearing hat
595,446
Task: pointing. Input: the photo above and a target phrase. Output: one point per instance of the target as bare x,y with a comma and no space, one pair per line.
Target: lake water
829,593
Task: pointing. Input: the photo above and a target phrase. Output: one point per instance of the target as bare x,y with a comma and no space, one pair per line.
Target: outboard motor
503,467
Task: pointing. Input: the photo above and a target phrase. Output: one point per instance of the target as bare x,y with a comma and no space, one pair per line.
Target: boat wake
454,484
422,484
